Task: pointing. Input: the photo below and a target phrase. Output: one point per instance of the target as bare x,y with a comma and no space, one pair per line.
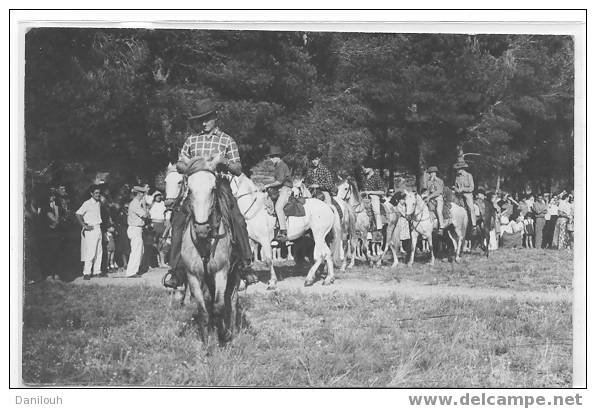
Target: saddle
432,206
295,207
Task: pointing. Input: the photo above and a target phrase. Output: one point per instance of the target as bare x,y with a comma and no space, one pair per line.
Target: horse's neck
420,208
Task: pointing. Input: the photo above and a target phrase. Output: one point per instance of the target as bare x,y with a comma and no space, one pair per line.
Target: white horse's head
173,182
201,186
348,191
242,185
411,201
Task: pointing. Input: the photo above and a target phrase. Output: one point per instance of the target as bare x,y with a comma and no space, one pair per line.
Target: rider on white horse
435,187
319,177
205,141
282,183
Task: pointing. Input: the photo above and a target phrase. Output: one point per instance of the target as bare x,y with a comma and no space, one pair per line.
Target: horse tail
336,238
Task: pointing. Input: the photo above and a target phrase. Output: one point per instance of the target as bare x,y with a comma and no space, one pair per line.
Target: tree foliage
117,99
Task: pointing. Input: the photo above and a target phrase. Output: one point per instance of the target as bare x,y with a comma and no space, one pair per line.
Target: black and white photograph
298,208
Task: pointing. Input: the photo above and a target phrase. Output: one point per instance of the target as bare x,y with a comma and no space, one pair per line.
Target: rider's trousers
284,194
469,198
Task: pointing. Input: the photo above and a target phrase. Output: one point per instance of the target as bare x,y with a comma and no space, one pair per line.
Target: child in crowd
528,231
111,247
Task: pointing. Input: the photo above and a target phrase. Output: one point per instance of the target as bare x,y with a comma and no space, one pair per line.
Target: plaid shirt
210,144
374,183
320,175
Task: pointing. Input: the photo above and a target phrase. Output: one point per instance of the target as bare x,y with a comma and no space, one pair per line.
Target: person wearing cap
435,187
374,187
319,177
89,216
282,183
137,216
207,140
464,185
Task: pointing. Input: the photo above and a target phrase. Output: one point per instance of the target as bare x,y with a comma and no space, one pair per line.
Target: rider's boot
172,280
282,236
247,273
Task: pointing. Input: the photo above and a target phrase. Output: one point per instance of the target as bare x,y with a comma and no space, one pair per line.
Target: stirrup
169,274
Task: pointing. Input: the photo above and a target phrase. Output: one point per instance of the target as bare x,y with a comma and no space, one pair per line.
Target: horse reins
206,246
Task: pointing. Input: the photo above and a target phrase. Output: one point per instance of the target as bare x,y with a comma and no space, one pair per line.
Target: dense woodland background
115,100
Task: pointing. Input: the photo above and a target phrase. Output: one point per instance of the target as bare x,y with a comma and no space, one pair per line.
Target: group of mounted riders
207,141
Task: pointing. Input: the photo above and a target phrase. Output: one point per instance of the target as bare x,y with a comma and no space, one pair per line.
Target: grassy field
517,269
112,335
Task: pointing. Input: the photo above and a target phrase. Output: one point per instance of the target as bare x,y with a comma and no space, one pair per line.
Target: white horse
347,192
423,223
320,218
260,225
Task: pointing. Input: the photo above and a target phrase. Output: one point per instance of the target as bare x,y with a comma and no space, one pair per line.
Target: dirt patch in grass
109,335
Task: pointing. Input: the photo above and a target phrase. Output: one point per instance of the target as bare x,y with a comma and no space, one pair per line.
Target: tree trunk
421,176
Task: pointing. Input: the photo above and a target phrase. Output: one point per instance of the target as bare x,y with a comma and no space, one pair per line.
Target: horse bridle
206,246
410,221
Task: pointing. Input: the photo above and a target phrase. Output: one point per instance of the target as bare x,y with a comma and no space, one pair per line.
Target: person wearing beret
435,187
89,216
464,185
207,140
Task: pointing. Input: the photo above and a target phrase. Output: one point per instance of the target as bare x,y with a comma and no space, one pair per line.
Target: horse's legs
429,241
289,247
224,334
414,243
268,258
321,253
232,320
203,315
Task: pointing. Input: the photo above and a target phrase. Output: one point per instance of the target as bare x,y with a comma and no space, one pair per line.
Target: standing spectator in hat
464,185
158,221
318,177
89,216
283,184
207,140
435,186
539,208
53,239
137,216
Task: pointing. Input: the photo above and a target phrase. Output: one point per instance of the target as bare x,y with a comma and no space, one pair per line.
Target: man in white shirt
89,216
137,214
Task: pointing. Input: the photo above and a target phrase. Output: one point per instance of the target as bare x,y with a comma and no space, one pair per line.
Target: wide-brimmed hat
203,108
432,169
140,189
274,151
480,190
460,165
157,193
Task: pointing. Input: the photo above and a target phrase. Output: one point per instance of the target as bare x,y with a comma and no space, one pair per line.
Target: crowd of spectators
57,232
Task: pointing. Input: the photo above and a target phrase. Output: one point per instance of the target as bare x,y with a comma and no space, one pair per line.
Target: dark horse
207,252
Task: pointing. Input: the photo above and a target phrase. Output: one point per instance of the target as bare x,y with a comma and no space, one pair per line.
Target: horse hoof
308,283
457,260
328,282
272,286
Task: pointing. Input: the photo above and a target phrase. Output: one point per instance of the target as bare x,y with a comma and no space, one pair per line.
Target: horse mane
354,187
199,163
